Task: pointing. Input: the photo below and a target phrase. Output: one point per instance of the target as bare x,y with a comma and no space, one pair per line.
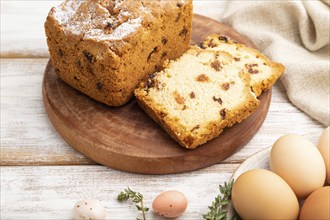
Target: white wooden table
42,177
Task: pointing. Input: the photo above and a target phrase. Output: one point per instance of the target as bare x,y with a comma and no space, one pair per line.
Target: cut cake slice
264,72
196,96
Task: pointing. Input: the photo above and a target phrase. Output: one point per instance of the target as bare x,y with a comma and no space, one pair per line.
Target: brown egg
261,194
170,204
299,163
317,205
324,148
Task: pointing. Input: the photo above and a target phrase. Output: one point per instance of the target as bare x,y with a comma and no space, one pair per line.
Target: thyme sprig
136,197
217,211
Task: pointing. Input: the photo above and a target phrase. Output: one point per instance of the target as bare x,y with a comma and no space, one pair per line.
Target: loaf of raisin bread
264,72
196,96
105,47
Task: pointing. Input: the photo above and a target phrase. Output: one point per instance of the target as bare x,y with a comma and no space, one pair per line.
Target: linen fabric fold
297,34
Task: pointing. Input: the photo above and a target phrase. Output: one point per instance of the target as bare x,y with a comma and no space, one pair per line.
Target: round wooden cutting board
125,138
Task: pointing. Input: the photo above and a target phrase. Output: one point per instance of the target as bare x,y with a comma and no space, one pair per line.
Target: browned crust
159,116
269,82
265,84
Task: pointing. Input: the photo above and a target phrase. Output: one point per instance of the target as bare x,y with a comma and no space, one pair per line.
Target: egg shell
299,163
170,204
88,209
324,147
317,205
261,194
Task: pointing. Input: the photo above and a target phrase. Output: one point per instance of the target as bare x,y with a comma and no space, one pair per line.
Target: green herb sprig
136,197
217,211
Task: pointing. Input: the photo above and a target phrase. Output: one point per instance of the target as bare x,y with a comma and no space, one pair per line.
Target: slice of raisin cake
196,96
264,72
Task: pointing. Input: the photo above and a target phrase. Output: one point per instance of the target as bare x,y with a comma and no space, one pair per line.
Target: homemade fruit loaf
104,48
196,96
264,72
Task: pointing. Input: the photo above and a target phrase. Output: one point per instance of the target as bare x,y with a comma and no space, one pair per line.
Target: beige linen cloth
296,34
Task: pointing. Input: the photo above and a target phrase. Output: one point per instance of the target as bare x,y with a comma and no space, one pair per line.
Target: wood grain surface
125,138
28,138
42,177
50,192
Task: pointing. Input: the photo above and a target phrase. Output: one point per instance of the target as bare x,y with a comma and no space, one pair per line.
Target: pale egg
324,148
88,209
262,194
299,163
170,204
317,205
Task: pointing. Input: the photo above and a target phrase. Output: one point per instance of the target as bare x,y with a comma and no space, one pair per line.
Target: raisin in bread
104,48
196,96
264,72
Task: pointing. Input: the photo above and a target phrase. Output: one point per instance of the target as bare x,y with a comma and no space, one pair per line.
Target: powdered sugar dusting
66,10
125,29
144,9
97,19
